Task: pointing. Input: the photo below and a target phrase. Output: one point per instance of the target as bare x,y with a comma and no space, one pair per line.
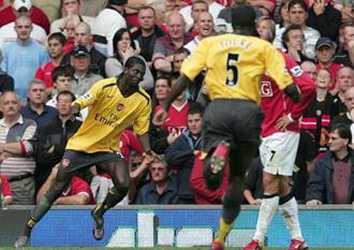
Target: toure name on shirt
235,42
111,121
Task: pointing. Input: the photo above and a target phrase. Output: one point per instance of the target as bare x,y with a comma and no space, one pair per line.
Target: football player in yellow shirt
115,104
234,66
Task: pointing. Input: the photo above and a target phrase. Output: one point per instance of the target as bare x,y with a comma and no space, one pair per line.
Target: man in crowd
17,144
36,108
23,57
162,189
332,181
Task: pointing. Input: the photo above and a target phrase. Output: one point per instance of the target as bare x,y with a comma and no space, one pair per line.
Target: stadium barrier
178,226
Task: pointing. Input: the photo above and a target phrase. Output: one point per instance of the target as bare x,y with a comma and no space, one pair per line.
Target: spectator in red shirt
5,191
38,17
202,195
78,192
56,48
325,50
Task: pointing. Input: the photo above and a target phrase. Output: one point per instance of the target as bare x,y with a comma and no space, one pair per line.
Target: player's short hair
299,2
195,108
57,36
66,92
243,20
132,61
61,71
285,35
343,131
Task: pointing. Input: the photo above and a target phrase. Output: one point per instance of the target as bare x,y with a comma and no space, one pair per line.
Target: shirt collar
19,121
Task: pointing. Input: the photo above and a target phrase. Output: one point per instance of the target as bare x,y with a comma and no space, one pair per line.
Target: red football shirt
79,186
44,73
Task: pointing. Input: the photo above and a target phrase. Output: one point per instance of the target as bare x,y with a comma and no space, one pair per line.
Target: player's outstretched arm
293,92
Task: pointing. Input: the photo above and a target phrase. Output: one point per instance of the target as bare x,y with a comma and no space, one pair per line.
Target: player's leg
240,158
118,170
267,210
289,210
62,180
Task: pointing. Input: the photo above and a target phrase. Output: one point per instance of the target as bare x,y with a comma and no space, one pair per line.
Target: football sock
114,196
289,211
266,213
224,229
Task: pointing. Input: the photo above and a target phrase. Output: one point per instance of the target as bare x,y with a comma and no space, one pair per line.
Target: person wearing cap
83,78
8,33
232,121
107,23
115,104
70,8
23,57
38,17
325,50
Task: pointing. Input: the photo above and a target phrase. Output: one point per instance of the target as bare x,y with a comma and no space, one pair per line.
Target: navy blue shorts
73,161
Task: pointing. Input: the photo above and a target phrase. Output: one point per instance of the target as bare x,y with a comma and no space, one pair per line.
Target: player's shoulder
107,82
144,95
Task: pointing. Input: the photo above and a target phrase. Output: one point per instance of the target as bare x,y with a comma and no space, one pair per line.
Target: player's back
235,65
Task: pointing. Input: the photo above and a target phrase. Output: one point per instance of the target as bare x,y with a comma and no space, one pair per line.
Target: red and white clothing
79,186
278,148
129,142
44,73
176,121
6,190
276,104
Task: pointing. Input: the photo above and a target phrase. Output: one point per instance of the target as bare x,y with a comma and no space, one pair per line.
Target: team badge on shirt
120,106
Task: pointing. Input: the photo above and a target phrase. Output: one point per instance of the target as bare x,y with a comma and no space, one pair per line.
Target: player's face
55,48
325,53
323,79
23,29
10,104
37,94
345,79
82,36
296,39
63,83
161,89
335,142
146,19
205,24
297,15
64,105
197,9
194,122
159,172
135,74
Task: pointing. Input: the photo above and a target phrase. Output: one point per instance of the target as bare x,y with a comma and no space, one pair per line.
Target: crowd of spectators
51,52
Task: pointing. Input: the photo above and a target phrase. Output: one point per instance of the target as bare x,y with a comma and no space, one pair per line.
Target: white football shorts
278,152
